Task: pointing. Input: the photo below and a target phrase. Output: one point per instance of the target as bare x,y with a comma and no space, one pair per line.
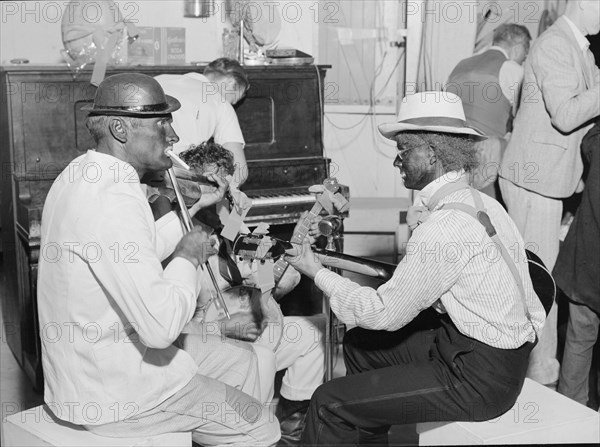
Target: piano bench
38,427
540,416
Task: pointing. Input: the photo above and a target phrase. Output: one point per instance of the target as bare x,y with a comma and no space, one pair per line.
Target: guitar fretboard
300,233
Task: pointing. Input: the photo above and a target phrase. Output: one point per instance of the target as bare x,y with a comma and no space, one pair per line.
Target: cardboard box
145,50
172,46
158,46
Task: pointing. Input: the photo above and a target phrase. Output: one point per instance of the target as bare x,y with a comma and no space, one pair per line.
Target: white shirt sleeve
419,280
158,303
169,231
228,127
510,79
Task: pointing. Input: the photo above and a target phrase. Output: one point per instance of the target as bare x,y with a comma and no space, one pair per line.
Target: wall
361,157
31,29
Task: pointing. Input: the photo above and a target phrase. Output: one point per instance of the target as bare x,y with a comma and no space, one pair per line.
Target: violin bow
187,223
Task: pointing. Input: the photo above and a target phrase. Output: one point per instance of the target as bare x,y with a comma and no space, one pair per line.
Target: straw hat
431,112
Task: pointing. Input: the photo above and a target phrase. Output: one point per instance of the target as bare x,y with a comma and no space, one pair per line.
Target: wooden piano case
43,129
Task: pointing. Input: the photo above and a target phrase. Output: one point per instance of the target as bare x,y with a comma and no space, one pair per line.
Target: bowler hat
131,94
431,112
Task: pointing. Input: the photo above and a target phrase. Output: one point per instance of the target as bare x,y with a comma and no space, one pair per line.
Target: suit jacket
577,266
560,95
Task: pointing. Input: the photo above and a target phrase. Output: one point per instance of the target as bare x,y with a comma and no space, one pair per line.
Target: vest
475,80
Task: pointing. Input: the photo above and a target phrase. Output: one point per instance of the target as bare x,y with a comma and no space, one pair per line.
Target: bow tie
416,215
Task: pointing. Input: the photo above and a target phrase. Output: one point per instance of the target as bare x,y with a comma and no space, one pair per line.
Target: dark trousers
424,372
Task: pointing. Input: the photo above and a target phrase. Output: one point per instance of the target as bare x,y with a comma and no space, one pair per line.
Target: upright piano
43,128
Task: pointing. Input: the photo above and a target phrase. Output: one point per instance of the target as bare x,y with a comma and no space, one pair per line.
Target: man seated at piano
100,274
296,344
207,111
448,337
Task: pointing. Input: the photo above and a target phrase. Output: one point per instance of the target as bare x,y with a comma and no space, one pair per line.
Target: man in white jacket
108,310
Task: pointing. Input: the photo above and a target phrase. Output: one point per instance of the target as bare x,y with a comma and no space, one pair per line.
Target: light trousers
219,405
301,352
538,219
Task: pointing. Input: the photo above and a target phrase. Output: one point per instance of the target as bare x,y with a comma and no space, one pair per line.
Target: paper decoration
265,280
233,221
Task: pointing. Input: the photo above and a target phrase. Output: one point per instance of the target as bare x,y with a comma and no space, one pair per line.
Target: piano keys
279,188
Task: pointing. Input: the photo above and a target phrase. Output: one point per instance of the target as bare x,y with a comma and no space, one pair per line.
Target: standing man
116,370
207,111
576,273
489,85
542,164
448,337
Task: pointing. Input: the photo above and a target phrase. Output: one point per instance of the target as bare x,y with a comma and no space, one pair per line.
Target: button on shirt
108,311
448,257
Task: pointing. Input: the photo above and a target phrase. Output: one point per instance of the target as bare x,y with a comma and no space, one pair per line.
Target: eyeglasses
403,150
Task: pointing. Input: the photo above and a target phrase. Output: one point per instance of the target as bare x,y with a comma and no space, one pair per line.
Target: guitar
331,192
247,247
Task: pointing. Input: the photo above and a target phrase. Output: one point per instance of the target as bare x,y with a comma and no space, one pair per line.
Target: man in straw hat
448,337
116,371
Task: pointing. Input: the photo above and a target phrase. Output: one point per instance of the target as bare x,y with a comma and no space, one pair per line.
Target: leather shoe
292,420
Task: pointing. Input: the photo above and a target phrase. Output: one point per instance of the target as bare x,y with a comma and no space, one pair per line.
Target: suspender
227,265
483,218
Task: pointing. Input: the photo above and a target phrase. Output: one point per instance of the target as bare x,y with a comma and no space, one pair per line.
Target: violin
163,198
256,314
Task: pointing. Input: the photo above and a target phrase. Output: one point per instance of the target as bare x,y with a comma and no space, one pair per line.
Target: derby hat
431,112
131,94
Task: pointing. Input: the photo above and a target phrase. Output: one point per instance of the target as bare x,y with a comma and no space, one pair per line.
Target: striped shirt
449,258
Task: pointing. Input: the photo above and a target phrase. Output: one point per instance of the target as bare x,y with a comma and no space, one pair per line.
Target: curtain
443,33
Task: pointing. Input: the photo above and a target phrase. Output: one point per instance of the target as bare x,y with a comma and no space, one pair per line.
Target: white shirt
510,77
449,257
108,312
582,41
203,113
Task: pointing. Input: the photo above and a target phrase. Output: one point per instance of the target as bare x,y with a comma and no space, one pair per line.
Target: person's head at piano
208,158
229,77
204,184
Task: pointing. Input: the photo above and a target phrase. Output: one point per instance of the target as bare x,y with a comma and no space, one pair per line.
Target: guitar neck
300,233
364,266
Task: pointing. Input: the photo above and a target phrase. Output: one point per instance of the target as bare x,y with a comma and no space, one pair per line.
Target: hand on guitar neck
302,258
328,198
